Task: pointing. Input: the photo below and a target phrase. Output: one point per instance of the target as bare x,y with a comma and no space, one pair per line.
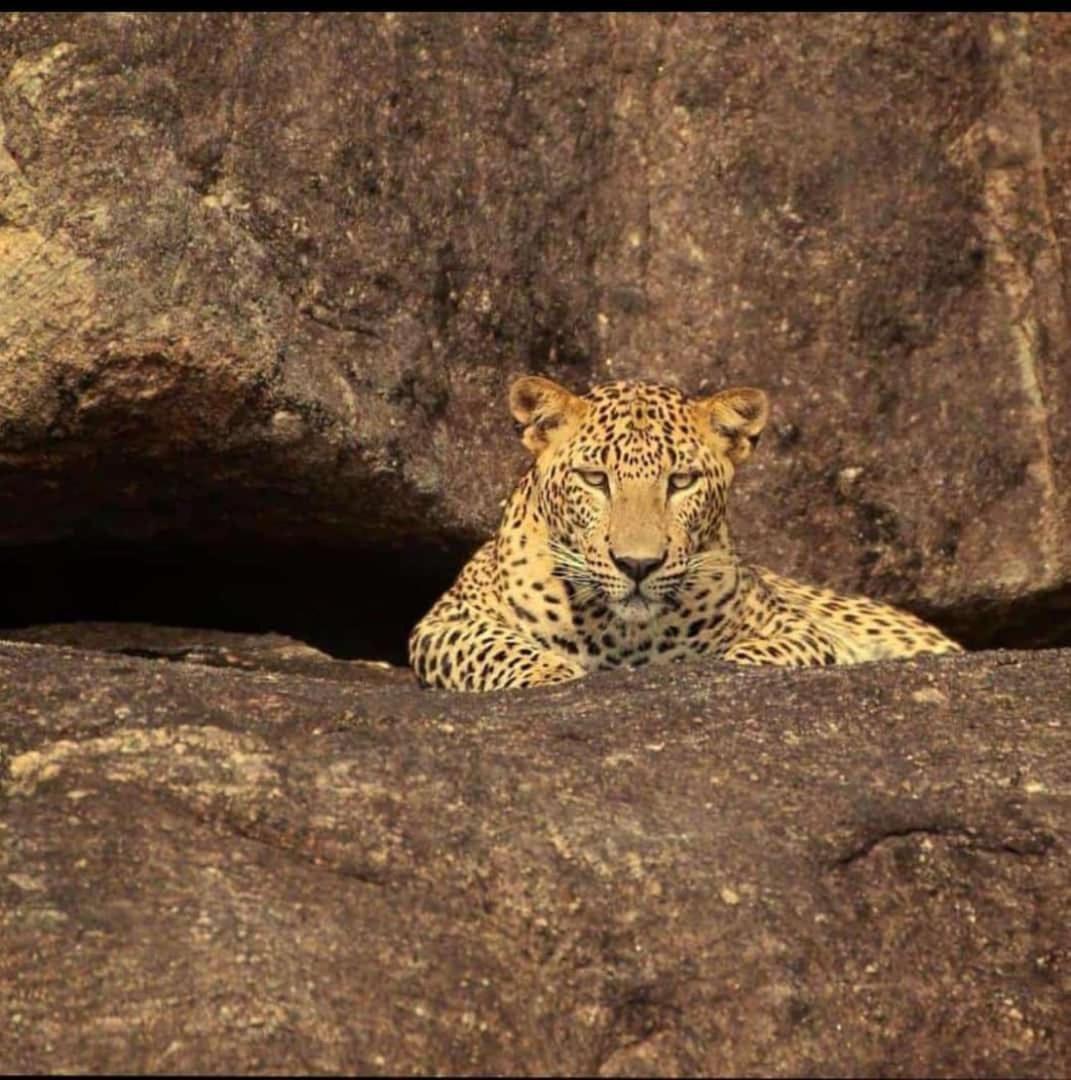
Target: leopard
614,551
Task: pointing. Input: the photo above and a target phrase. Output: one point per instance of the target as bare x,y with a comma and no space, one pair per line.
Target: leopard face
632,481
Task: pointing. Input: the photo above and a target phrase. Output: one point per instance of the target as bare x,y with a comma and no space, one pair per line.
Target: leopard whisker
706,561
565,555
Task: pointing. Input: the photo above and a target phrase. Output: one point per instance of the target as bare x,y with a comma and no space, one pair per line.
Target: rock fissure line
276,840
207,657
273,837
1037,846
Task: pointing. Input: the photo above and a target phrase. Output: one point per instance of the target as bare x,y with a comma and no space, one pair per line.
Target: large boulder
264,279
699,870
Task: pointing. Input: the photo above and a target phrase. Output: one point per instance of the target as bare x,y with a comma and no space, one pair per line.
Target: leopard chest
605,641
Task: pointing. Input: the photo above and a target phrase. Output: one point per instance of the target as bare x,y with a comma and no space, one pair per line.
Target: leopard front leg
460,649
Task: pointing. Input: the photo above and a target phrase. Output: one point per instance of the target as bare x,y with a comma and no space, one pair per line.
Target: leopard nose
637,569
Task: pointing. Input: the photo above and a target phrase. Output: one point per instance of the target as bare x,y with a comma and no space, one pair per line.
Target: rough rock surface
269,276
213,648
857,871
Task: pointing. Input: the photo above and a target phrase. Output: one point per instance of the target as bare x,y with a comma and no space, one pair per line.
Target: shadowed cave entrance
351,603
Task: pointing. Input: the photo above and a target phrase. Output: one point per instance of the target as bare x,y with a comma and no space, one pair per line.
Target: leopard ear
547,411
736,418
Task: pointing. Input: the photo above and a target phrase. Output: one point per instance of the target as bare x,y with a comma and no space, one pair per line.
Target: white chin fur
636,609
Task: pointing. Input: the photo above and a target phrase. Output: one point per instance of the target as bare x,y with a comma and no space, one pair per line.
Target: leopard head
632,480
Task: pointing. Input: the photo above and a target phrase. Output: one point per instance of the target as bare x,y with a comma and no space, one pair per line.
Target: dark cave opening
352,603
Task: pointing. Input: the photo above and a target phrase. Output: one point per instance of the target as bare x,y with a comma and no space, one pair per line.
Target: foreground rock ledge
691,870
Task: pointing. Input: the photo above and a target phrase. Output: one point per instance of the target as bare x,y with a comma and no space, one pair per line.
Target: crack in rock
1032,846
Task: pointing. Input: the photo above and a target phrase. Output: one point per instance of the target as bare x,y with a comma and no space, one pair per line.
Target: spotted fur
614,551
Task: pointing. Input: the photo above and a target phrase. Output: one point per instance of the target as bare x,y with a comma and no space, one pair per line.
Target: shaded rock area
213,648
354,603
856,871
264,279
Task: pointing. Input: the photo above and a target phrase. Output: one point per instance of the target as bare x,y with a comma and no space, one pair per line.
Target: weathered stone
214,648
268,276
842,871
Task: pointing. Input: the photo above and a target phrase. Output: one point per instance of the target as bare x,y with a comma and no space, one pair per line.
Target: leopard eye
594,478
681,481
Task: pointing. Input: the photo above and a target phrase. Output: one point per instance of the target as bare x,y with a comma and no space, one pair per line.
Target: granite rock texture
690,870
267,277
